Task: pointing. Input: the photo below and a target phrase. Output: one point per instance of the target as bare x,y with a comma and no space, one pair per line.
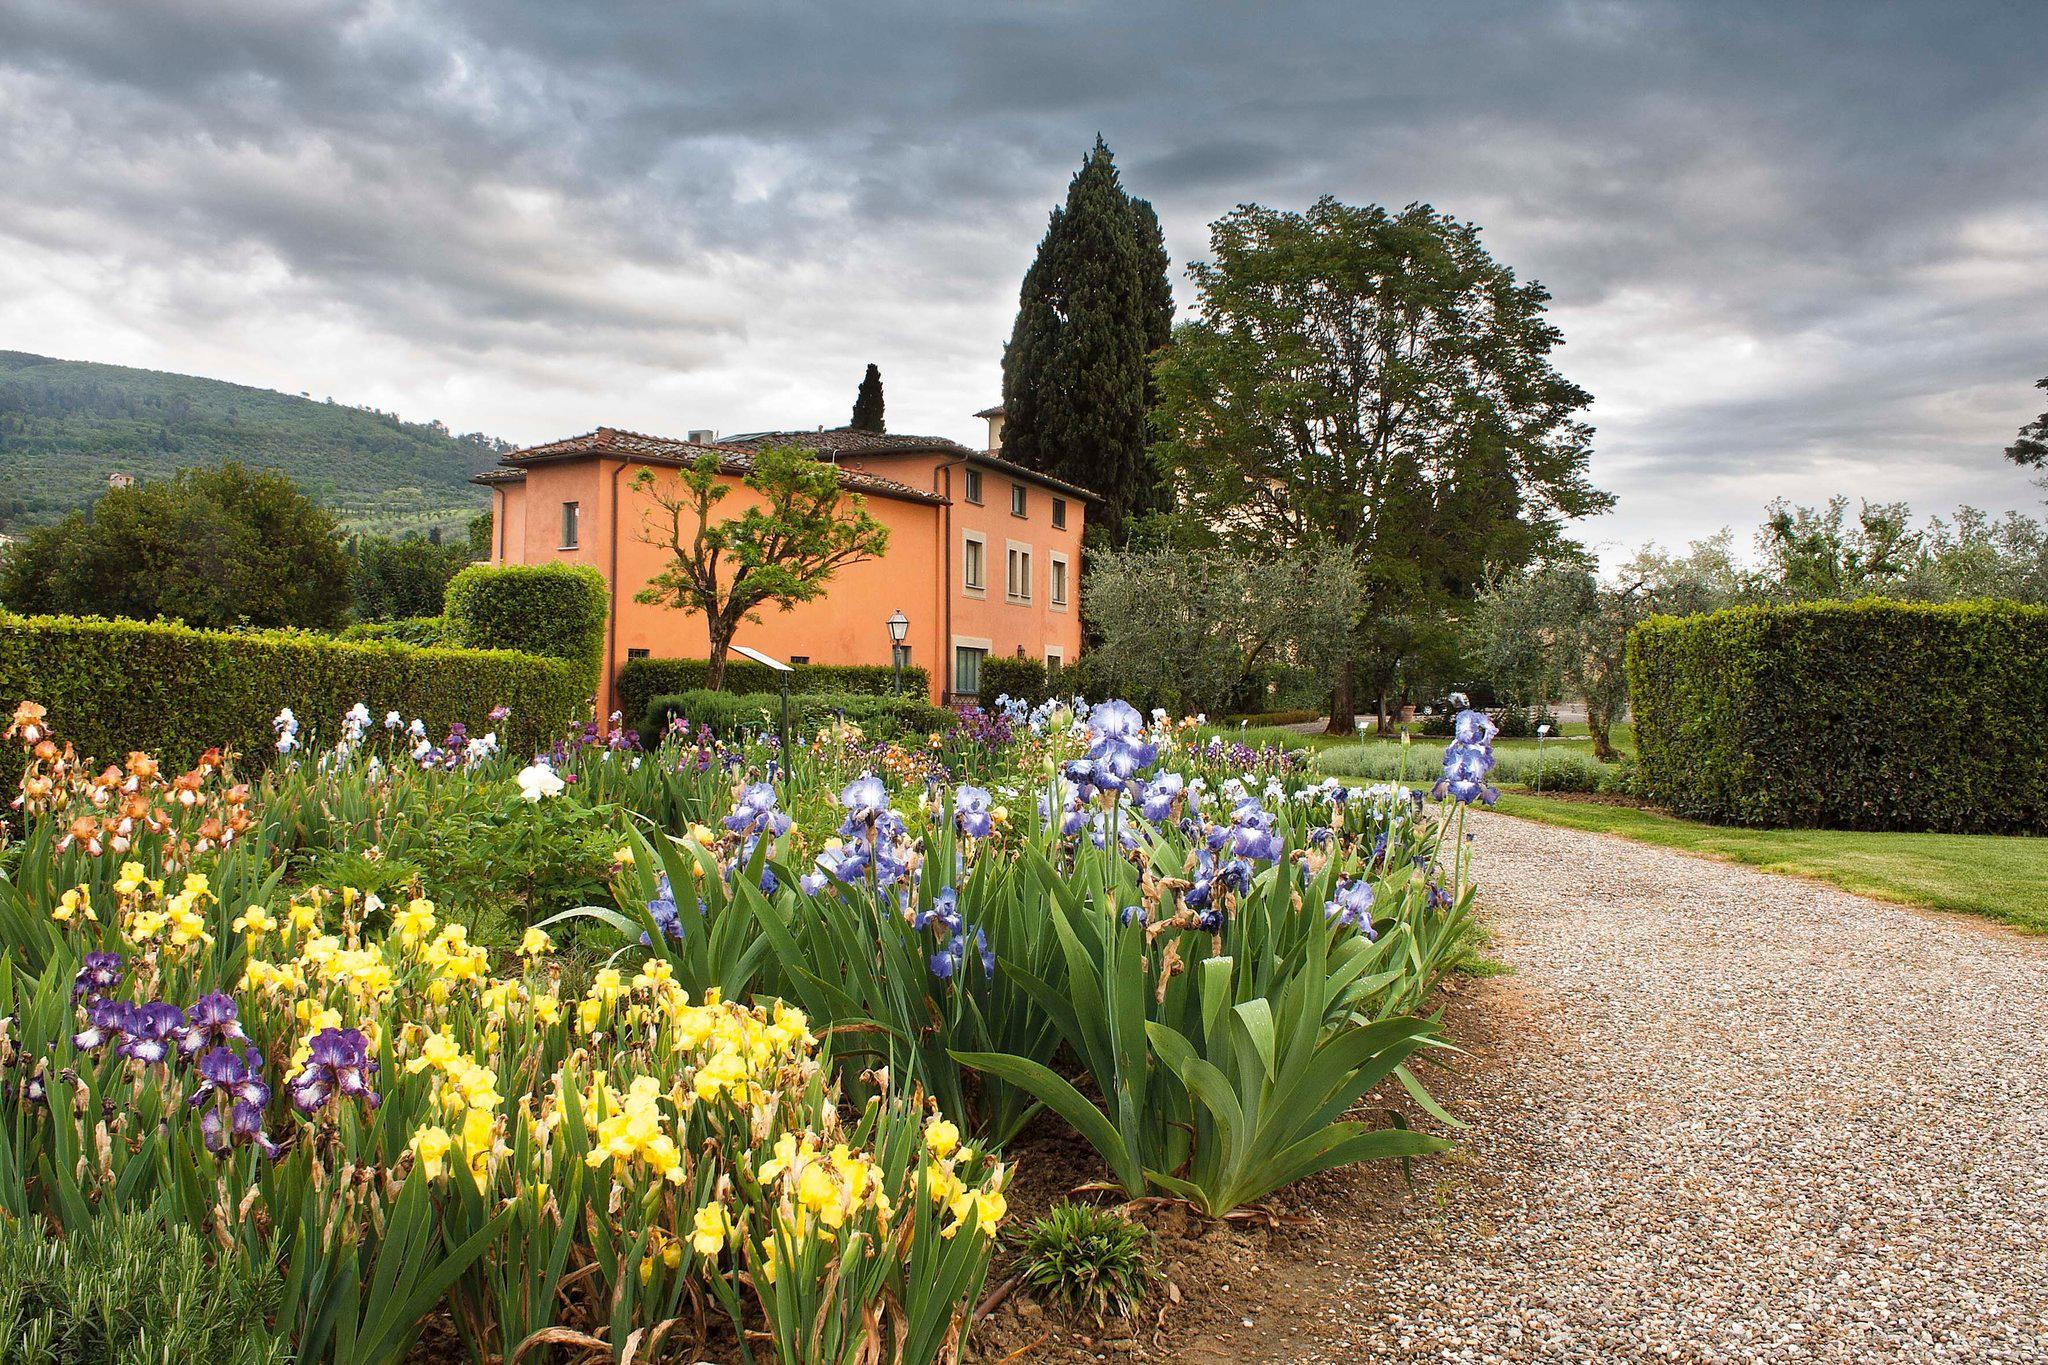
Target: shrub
1025,679
554,610
1087,1260
1562,773
642,680
124,1289
734,713
406,630
113,686
1300,716
1867,715
1520,722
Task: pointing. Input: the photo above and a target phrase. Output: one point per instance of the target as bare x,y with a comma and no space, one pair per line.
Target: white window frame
1012,548
968,586
970,485
1059,581
1055,658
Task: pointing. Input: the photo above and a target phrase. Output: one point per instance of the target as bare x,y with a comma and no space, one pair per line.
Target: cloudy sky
1796,249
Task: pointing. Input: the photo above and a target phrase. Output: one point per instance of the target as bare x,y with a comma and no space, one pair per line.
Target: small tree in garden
867,404
1374,378
1189,628
1556,629
781,551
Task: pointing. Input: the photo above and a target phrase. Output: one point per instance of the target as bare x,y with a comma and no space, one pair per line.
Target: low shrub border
640,681
1862,716
115,686
730,714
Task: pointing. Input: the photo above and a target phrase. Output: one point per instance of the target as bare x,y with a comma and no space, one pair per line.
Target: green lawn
2000,877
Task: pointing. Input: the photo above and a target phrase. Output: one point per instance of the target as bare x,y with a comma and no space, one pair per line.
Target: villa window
1059,514
971,565
572,525
967,669
1057,581
1018,585
636,653
1018,507
973,481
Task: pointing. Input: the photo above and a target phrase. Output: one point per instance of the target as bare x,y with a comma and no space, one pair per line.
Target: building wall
848,625
991,618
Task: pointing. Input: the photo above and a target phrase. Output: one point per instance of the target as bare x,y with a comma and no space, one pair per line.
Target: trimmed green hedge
729,713
554,610
406,630
1867,715
640,681
112,686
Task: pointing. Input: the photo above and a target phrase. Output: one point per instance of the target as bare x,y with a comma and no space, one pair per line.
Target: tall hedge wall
113,686
555,610
642,680
1868,715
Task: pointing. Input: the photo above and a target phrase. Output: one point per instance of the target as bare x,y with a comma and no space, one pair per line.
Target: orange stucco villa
984,555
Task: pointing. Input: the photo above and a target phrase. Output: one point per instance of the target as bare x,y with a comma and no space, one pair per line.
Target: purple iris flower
100,973
971,812
238,1078
756,813
1251,833
662,909
338,1062
152,1031
212,1021
104,1020
1133,914
945,908
1351,904
1468,760
1156,798
865,799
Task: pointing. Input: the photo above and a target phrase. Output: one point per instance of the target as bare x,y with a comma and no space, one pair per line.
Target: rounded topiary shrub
1867,715
554,610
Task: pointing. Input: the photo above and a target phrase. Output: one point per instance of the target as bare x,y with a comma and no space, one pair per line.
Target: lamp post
899,631
1542,733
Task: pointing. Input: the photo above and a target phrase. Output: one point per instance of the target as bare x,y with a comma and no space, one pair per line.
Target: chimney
703,436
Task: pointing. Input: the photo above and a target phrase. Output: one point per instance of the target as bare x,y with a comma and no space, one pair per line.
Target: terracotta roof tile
733,459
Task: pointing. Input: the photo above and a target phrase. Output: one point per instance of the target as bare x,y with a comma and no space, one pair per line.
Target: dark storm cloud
1795,248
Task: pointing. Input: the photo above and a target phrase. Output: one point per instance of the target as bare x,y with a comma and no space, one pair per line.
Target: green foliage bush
557,611
1088,1261
730,713
124,1289
1563,773
1867,715
406,630
1026,679
113,686
642,680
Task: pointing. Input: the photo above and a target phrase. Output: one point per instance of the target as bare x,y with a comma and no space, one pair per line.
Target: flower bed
749,1087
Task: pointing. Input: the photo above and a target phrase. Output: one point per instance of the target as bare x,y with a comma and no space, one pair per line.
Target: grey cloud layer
1795,248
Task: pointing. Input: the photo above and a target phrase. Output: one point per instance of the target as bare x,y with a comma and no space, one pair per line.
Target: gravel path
1722,1115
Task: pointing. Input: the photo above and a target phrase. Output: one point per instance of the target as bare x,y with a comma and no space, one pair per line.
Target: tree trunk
721,642
1383,721
1344,699
1597,723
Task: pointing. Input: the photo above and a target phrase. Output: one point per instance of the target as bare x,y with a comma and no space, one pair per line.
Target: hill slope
65,425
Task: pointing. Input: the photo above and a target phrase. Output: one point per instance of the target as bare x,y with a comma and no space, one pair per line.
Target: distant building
984,555
120,481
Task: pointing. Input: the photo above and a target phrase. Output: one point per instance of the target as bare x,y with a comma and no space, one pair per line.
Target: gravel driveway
1720,1115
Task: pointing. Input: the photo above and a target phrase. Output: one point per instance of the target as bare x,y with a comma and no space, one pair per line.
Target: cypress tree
1094,306
867,404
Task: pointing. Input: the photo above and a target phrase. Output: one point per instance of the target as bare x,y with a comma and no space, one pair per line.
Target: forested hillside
65,425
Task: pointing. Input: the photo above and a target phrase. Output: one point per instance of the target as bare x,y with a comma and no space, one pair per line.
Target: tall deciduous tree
867,404
1376,379
801,529
210,547
1095,305
2031,445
